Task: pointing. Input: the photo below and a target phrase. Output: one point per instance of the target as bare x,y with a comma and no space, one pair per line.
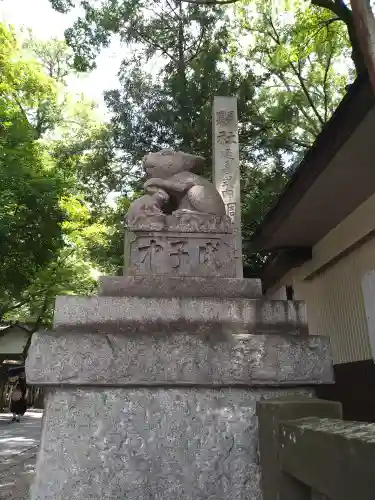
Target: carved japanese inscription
188,254
226,166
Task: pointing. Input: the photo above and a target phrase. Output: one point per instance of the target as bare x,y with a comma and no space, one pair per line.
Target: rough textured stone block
270,414
186,315
182,254
340,460
142,444
170,287
251,360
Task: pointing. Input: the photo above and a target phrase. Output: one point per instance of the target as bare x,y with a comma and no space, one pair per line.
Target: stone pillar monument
153,383
227,166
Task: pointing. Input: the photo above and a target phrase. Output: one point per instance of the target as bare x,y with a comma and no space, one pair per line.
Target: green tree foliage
306,57
339,10
79,142
172,106
54,55
26,88
84,154
30,216
66,274
55,173
108,252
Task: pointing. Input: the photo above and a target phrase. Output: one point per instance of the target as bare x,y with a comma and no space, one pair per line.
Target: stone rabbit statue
173,187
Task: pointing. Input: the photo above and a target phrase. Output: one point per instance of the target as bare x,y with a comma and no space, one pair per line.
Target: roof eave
355,104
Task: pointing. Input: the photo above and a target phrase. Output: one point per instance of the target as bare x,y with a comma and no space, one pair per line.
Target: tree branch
24,114
341,10
292,88
298,74
8,308
155,44
172,7
198,44
323,25
210,2
325,81
306,92
328,4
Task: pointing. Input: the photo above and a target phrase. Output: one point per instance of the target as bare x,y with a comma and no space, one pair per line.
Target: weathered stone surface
145,213
251,360
186,314
340,461
270,414
191,222
181,254
173,187
142,444
170,287
181,221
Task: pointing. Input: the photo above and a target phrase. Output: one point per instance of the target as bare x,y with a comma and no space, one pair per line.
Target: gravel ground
18,448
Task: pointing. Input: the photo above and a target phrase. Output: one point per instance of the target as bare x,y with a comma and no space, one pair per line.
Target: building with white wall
321,234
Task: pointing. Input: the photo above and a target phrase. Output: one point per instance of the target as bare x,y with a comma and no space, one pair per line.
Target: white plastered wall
331,284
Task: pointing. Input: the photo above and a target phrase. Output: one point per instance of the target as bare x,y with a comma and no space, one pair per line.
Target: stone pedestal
153,387
188,245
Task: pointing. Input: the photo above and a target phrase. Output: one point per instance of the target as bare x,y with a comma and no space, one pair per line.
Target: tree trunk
364,24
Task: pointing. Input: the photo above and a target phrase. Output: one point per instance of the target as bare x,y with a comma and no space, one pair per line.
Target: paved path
19,444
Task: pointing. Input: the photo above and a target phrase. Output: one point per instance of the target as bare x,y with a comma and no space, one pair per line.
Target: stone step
185,314
82,358
170,287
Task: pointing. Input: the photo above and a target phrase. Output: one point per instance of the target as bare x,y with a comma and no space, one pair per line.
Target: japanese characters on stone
226,165
226,138
175,255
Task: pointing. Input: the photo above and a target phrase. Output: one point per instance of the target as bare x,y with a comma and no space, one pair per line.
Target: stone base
176,286
151,444
115,359
204,315
154,398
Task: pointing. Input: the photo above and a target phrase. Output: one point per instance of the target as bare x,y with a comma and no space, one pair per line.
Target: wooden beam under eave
365,27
